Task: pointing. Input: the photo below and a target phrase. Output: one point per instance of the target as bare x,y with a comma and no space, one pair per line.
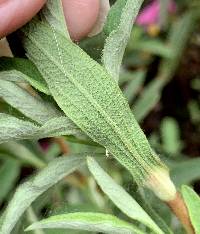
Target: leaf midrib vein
97,107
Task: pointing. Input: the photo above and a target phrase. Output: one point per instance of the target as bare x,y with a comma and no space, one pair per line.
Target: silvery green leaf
119,29
87,221
192,201
148,99
53,12
13,76
33,188
18,68
151,95
31,106
12,128
134,85
186,172
22,153
156,47
171,138
143,200
9,172
90,97
179,34
120,197
114,16
59,126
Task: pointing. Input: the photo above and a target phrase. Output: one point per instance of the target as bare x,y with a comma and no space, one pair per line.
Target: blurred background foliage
160,78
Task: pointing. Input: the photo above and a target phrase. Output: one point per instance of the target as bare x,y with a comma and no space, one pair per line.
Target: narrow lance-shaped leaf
171,138
53,12
87,221
12,128
192,201
186,172
19,68
31,106
32,189
178,36
144,202
134,85
151,95
119,24
91,98
22,153
120,197
147,99
9,172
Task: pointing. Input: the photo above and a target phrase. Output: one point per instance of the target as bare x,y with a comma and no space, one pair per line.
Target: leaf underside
90,97
92,222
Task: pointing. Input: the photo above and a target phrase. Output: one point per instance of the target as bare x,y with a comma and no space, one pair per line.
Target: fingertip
81,16
15,13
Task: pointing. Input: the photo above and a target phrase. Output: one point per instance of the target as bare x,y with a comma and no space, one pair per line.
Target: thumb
81,16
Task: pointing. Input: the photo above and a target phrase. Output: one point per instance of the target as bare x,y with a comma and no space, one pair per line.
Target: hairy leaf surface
19,68
31,106
192,201
12,128
9,172
90,97
120,197
147,100
22,153
92,222
119,25
53,12
32,189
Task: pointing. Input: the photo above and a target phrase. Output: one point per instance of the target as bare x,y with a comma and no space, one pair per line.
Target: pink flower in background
150,15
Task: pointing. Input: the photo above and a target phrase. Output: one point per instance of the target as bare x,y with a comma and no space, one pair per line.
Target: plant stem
32,219
81,179
62,144
160,183
179,208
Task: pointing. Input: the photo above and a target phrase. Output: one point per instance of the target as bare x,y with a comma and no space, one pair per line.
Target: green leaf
148,99
90,97
145,204
192,201
120,197
32,217
33,188
88,221
171,139
185,172
153,46
23,68
9,172
12,128
53,12
22,153
151,95
177,39
114,16
134,85
119,24
14,76
31,106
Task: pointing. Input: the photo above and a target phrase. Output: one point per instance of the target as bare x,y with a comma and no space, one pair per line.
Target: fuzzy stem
179,208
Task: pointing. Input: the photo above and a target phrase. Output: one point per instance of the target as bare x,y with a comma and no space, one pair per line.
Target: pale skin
80,15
